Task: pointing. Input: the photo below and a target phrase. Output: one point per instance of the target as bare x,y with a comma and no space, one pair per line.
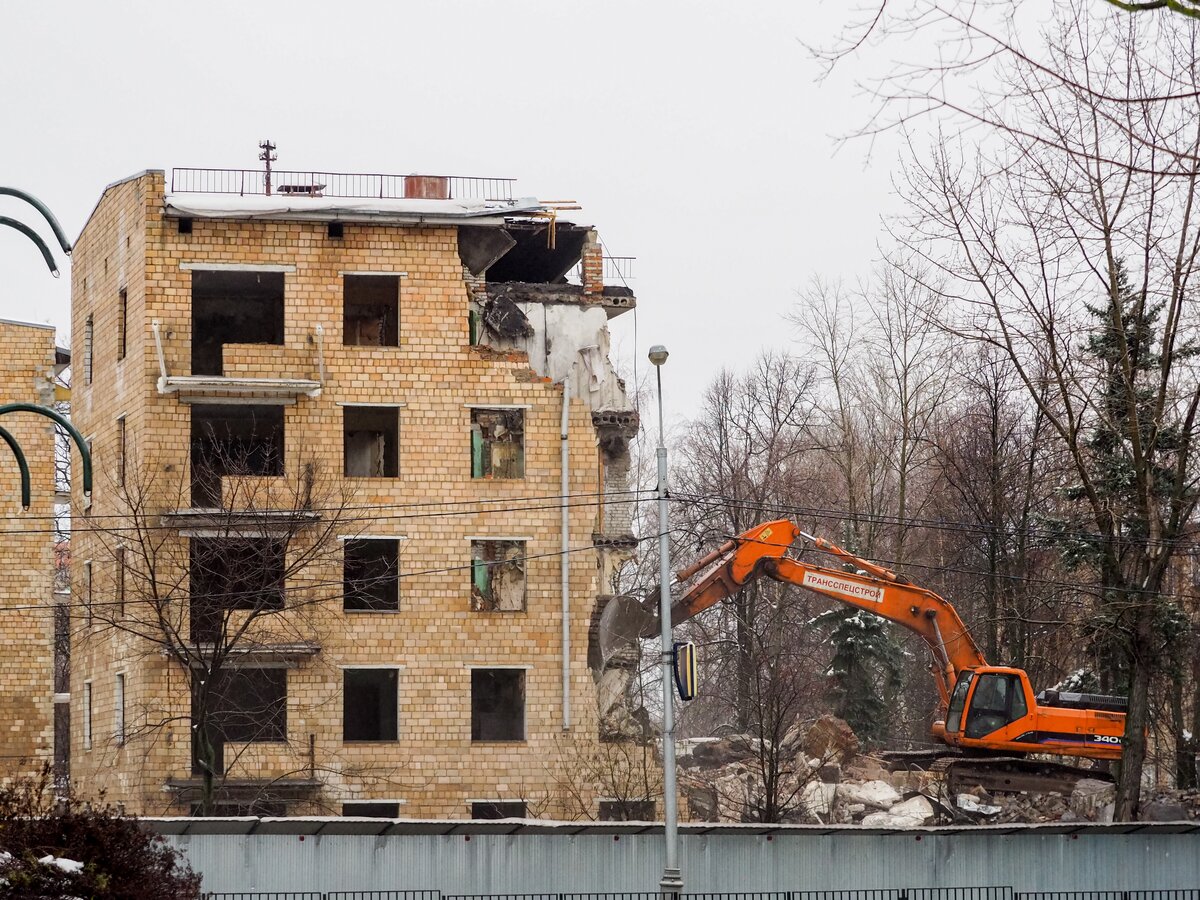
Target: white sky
693,133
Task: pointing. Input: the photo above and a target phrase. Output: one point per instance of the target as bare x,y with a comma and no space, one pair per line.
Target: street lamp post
672,880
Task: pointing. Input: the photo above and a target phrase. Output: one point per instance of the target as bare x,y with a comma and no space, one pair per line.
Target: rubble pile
822,777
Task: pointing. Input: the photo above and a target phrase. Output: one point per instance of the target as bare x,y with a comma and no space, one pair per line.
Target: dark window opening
497,704
497,576
122,322
372,575
497,443
372,810
337,230
371,310
371,438
230,307
119,581
89,335
238,705
233,440
233,574
369,704
626,810
121,450
498,809
185,226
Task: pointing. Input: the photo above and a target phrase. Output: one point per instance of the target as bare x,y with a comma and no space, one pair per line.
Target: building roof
346,209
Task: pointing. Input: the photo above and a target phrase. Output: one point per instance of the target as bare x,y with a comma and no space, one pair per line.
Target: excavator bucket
622,623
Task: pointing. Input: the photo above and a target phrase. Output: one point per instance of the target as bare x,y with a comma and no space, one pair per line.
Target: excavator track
1003,774
1017,775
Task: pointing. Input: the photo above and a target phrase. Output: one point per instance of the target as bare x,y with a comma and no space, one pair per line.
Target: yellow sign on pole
687,673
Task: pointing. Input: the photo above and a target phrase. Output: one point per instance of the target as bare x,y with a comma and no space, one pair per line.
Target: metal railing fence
351,185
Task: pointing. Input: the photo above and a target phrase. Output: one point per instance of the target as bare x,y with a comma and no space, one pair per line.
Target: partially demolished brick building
362,485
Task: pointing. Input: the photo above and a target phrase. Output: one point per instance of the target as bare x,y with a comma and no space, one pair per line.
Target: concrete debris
913,812
1093,800
824,779
832,739
972,804
873,794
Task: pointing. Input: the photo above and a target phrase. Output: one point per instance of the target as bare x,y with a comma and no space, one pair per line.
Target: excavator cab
985,701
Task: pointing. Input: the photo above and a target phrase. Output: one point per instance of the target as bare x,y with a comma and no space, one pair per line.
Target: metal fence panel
383,895
958,893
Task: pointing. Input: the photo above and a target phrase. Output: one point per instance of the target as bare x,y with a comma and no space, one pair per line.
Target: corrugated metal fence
328,859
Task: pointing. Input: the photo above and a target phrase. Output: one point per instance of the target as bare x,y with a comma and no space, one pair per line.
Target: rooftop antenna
268,156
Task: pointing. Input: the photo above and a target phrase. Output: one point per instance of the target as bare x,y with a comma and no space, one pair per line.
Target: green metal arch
26,490
62,420
44,210
36,238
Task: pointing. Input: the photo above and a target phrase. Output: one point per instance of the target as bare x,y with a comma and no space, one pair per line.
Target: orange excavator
983,710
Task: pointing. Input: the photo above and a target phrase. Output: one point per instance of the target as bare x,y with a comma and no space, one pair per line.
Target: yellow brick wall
26,590
434,376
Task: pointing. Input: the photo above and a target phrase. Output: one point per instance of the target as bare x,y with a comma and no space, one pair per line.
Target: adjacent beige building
362,488
28,362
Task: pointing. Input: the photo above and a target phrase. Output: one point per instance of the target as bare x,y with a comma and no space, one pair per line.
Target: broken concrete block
911,813
830,738
830,773
1092,799
972,804
818,798
875,794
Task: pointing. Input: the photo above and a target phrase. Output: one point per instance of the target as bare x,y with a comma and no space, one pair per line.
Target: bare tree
1028,251
742,462
229,596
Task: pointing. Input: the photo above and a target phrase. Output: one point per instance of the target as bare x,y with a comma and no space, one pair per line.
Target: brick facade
27,359
132,253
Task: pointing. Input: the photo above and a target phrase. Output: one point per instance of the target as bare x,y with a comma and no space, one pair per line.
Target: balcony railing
617,270
338,184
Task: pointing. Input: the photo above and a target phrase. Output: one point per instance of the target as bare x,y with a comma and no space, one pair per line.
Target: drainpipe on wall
564,559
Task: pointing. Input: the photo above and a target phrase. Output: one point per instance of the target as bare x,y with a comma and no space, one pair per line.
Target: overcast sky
694,134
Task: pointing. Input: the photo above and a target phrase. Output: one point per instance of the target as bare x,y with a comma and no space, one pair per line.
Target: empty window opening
121,566
372,574
119,710
380,810
122,322
233,440
228,575
371,310
498,809
233,308
337,230
121,451
87,715
497,443
497,704
371,439
369,701
627,810
185,226
497,576
240,705
89,334
88,595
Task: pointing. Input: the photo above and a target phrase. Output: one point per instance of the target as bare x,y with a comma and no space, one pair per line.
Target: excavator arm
760,553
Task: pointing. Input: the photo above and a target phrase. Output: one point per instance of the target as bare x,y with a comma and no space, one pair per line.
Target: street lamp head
658,354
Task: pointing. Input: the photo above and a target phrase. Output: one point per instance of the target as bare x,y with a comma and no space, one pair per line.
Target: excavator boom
761,552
